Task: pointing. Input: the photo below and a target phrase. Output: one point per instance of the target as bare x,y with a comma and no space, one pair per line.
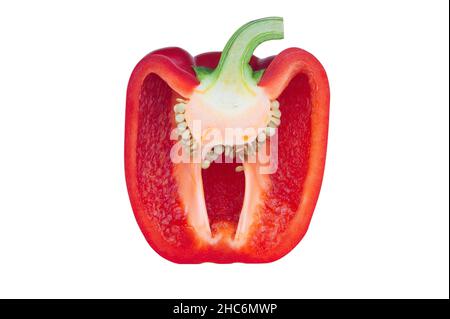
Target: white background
381,226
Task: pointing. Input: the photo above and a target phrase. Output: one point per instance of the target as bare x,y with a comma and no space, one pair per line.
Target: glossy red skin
174,66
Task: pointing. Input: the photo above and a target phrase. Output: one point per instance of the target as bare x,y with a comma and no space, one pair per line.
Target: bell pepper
223,207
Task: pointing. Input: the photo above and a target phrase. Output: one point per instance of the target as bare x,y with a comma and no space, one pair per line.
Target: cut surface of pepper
225,152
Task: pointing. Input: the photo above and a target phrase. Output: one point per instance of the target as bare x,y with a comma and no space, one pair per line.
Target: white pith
248,112
220,108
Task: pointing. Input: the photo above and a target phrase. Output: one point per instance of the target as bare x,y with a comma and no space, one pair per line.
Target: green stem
233,67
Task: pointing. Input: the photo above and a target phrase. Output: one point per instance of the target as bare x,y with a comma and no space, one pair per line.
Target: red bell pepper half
225,152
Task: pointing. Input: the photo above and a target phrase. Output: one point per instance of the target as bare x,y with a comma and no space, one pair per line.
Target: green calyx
203,72
233,68
257,75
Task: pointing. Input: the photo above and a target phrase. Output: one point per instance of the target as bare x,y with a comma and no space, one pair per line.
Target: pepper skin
163,200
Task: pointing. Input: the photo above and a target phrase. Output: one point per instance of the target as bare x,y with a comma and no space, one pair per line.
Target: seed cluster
182,128
240,152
